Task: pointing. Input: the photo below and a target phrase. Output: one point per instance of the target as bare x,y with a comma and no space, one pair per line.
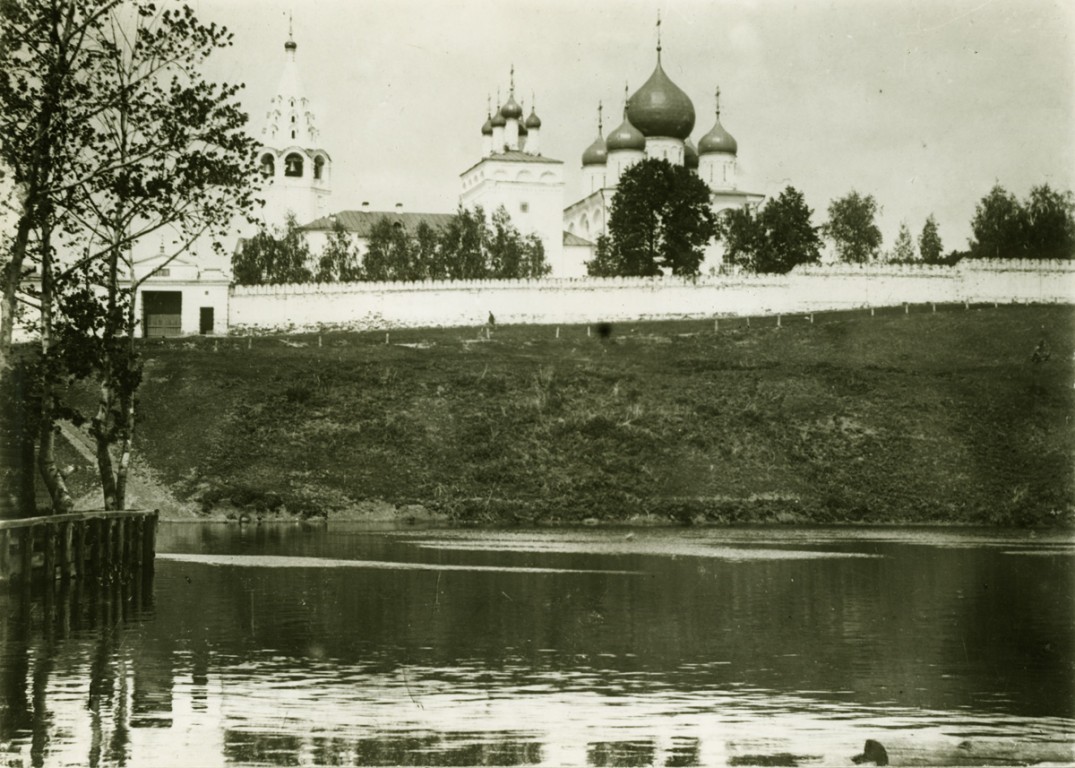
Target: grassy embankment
911,418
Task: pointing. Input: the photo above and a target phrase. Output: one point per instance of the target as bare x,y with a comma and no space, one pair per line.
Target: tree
929,242
47,52
388,253
776,238
999,227
852,229
339,258
511,255
182,164
661,219
463,246
1051,224
267,259
903,251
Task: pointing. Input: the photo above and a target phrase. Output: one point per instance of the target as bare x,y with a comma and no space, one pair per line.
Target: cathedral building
657,123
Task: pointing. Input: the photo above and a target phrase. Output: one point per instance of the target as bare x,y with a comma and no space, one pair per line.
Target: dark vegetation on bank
919,417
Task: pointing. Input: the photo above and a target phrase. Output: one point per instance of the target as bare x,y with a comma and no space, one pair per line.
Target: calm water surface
343,646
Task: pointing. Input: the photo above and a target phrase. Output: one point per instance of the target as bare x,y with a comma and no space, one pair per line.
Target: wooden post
80,548
748,322
871,311
587,331
149,540
934,306
386,338
811,318
716,324
5,555
52,535
778,321
28,535
557,331
906,308
122,561
249,342
97,534
67,561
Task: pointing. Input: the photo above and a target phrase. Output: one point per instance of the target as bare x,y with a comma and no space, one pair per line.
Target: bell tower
297,171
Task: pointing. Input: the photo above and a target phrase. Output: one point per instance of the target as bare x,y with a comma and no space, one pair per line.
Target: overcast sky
923,104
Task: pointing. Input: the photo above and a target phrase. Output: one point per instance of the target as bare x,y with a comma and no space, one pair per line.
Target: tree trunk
100,428
46,442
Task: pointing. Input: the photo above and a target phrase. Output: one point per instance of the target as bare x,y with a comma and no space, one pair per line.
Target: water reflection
553,648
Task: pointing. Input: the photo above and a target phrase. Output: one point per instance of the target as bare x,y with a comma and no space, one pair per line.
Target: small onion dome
596,153
498,120
690,155
533,121
290,45
487,129
717,140
660,108
511,109
626,137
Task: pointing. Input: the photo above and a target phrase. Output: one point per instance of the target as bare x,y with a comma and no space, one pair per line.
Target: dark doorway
205,323
162,313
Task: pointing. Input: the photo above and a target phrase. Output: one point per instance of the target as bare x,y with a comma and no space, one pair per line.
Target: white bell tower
297,171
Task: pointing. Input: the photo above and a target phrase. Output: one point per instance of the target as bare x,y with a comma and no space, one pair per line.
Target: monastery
511,171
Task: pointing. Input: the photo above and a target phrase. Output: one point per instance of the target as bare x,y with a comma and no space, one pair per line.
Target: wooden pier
107,546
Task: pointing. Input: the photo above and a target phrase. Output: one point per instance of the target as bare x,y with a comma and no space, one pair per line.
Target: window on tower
268,165
293,165
319,167
524,207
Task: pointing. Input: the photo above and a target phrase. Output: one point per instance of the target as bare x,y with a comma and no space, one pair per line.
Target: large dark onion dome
511,109
596,153
533,121
690,155
717,140
660,108
498,120
627,136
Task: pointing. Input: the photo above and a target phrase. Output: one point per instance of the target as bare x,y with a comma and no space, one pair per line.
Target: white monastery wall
811,289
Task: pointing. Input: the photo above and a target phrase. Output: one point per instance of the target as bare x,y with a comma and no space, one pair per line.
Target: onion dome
596,153
498,120
487,129
511,109
661,108
718,139
522,131
626,136
690,155
533,121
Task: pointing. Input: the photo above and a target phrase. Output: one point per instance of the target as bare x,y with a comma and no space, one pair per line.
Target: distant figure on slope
1041,352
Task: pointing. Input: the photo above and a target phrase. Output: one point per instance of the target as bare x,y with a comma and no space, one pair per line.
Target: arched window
319,167
268,165
292,134
293,165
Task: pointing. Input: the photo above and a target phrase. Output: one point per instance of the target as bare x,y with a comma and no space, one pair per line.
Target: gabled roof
361,222
573,239
514,156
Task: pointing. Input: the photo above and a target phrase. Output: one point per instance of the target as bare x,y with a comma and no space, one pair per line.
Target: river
289,645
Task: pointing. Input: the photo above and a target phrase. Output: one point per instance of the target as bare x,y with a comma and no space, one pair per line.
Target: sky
924,104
